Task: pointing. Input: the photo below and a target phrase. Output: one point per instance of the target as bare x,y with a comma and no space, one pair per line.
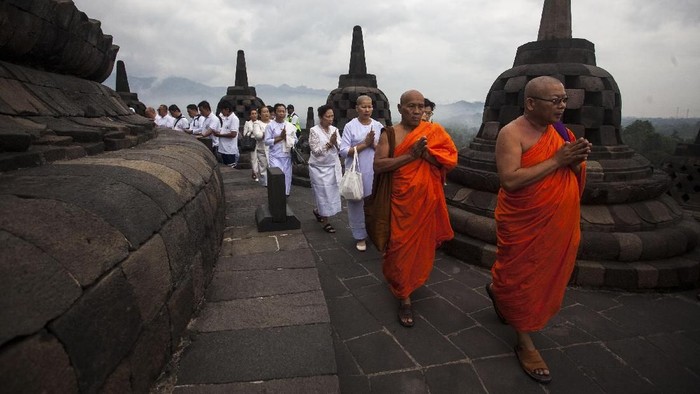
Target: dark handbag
247,143
378,204
297,157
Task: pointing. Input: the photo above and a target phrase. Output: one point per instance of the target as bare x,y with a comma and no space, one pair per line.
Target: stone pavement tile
436,276
477,342
472,277
566,376
311,385
229,285
594,323
354,384
565,333
263,244
361,281
453,378
637,316
422,293
442,315
258,354
411,382
374,267
259,312
663,371
677,312
488,320
342,263
693,335
331,285
343,358
350,318
378,352
607,370
595,300
504,375
379,301
425,344
301,258
461,296
679,348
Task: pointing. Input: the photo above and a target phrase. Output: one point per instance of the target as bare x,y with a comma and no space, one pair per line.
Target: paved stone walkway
265,321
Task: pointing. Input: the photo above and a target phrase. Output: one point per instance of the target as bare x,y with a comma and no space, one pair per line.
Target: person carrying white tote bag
351,183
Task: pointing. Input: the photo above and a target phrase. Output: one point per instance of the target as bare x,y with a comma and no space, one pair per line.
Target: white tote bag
351,183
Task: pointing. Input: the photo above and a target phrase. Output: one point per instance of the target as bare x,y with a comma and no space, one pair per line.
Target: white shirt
231,124
181,123
196,124
211,122
165,121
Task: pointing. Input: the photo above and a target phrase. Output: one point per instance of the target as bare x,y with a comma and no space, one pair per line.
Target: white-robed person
280,137
360,137
261,150
324,167
228,135
248,132
210,123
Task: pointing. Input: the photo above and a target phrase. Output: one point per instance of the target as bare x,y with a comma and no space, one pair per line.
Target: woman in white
261,150
280,137
360,137
324,167
248,132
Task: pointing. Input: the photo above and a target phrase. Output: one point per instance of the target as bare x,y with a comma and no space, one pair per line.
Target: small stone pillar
276,215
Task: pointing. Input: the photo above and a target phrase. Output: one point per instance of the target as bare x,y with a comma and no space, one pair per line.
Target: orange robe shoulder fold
538,230
419,218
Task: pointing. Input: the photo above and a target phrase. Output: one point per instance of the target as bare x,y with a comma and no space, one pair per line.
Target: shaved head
537,87
410,94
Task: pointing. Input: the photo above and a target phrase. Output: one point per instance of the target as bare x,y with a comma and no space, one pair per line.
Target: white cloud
451,50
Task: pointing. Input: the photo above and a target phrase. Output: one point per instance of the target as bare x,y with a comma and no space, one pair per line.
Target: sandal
495,307
319,218
406,314
328,228
530,362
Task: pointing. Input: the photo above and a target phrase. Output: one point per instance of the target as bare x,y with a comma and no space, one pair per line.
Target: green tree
641,136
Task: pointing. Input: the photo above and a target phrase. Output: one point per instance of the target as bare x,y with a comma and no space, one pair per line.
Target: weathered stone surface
100,329
35,288
151,353
148,272
180,307
37,364
82,243
275,311
307,385
123,206
249,355
180,246
232,285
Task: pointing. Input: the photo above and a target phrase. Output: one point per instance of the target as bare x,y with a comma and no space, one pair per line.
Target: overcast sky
449,49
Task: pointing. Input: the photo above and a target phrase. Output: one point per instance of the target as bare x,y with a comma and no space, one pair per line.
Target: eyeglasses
555,101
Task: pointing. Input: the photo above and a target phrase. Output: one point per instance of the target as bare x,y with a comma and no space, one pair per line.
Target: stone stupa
634,236
356,83
684,169
123,90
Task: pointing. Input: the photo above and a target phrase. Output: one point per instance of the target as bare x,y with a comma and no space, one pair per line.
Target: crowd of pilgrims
276,130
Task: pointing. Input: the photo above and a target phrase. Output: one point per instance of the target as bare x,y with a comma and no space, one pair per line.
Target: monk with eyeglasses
542,170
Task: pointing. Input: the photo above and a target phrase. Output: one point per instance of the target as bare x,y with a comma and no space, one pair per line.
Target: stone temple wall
109,228
102,262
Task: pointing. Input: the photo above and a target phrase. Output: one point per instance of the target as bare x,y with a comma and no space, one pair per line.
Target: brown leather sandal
530,362
406,314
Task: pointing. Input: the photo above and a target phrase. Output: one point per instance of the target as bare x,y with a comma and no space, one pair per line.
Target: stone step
53,140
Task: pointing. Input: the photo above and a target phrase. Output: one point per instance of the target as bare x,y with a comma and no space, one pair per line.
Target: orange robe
538,229
419,218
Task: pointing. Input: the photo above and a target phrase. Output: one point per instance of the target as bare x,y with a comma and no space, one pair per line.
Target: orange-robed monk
423,154
537,216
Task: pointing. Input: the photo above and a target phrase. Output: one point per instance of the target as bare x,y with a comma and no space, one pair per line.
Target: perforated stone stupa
634,236
242,96
684,169
356,83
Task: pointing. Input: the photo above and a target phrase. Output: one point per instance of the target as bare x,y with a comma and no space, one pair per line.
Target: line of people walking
541,168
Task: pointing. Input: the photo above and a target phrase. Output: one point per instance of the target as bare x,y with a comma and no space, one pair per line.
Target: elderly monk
541,167
423,154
